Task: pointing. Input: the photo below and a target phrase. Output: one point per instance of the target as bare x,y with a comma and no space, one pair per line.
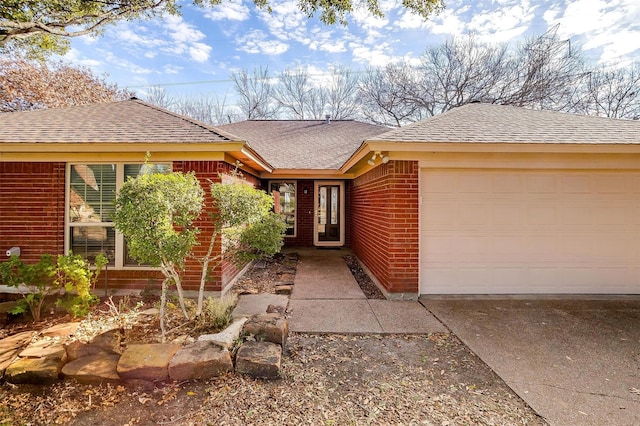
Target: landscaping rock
17,341
93,369
283,289
61,331
43,349
107,343
290,262
228,336
287,278
259,359
147,362
201,360
253,304
268,327
40,371
184,339
11,346
276,309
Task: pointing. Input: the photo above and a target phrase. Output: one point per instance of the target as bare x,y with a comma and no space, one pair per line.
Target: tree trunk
205,270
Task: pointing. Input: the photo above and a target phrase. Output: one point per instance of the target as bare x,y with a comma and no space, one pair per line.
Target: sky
194,54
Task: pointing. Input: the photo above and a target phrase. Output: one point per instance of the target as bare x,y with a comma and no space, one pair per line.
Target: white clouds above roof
256,42
210,41
230,10
612,26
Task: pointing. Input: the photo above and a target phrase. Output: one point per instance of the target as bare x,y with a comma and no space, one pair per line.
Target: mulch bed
326,379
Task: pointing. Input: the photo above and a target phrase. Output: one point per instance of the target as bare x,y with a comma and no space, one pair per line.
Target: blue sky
195,53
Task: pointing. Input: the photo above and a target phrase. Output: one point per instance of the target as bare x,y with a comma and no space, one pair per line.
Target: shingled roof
304,144
487,123
126,121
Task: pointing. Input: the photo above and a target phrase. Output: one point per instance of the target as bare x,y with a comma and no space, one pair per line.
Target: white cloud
181,31
255,42
376,56
448,22
492,24
230,10
326,41
285,21
503,24
185,38
172,69
199,52
128,36
124,64
610,27
75,57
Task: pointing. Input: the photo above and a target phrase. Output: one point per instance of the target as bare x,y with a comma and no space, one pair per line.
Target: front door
329,217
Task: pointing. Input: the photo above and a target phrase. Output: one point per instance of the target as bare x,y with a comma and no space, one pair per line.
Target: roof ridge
537,111
298,120
190,120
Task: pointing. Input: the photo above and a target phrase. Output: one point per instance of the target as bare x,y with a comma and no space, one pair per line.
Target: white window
91,191
284,196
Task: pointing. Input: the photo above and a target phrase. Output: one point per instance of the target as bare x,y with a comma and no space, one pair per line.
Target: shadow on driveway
574,361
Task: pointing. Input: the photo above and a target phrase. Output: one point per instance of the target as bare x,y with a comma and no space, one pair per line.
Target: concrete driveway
576,362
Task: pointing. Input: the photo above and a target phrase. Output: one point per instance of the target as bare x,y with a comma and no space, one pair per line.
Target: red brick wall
32,203
384,224
304,216
221,276
32,209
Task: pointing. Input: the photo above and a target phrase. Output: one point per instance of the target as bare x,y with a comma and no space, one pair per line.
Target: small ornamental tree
156,214
244,220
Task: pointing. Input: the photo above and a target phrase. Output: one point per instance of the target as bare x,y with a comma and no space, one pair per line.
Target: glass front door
329,214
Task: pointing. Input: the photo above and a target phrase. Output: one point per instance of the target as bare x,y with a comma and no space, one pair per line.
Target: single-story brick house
483,199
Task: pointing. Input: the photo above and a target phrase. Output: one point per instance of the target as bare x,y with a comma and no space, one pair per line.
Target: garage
510,231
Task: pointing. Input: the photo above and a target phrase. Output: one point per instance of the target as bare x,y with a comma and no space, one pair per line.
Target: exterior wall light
13,251
383,157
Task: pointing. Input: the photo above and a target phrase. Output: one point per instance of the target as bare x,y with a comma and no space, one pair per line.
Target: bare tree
342,93
27,84
158,96
256,94
302,97
209,109
383,95
543,72
613,92
293,93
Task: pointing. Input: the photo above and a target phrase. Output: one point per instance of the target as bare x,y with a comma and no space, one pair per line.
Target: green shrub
34,281
75,275
47,278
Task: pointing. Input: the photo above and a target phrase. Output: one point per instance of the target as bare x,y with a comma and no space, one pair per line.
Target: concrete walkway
327,299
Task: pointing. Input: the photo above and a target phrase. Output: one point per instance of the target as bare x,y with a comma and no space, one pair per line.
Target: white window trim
316,241
295,191
119,241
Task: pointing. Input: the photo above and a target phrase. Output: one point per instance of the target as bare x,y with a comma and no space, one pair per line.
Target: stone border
23,360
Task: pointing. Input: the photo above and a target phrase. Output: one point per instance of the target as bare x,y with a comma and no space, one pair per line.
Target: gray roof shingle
488,123
125,121
305,144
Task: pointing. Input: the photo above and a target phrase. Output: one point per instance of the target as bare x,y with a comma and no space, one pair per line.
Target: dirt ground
326,379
